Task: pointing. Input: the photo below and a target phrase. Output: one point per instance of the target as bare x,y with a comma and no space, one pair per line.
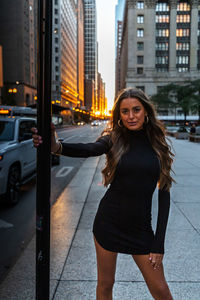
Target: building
1,72
90,52
119,12
160,43
100,96
18,39
80,52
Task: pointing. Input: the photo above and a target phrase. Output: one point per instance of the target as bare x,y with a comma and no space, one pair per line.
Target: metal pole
44,49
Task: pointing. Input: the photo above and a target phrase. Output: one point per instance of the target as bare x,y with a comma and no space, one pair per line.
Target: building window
182,60
56,40
57,88
56,11
162,32
140,60
57,68
183,70
182,46
56,59
57,78
140,5
141,88
139,70
162,18
140,33
56,2
183,19
182,32
56,21
162,7
140,46
140,19
184,6
162,46
56,49
162,60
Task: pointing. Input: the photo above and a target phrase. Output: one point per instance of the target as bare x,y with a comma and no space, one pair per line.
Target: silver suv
17,155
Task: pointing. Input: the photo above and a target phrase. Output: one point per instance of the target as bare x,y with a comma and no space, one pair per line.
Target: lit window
162,7
140,19
140,5
140,33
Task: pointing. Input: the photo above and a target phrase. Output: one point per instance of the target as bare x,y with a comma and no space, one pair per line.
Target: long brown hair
120,143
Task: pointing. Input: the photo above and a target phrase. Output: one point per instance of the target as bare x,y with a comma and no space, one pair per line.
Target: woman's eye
137,109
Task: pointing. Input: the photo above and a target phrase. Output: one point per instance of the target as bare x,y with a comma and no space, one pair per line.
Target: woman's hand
155,260
37,139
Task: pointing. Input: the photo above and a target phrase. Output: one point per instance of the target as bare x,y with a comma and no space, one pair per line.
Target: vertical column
149,36
172,38
193,35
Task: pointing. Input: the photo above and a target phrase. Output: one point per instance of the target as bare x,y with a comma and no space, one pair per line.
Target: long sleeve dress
123,220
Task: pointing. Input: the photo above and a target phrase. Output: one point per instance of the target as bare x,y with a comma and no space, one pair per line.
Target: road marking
4,224
70,137
64,171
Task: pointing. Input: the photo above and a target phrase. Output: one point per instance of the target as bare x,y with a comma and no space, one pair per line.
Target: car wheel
12,195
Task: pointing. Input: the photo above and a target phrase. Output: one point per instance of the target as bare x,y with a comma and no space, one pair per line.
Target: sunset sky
106,40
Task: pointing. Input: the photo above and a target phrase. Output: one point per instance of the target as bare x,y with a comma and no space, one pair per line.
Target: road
17,224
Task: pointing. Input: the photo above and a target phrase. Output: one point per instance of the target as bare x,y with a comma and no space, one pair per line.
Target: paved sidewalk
73,268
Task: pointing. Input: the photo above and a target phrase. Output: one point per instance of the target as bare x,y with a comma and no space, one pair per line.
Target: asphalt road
17,224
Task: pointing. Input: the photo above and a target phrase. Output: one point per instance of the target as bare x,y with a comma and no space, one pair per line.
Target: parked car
17,155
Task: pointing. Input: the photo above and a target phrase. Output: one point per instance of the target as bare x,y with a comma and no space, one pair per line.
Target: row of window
162,32
182,60
183,19
165,32
162,60
162,18
162,46
182,46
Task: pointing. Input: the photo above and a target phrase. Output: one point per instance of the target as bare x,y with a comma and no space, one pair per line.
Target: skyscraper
119,12
160,43
18,39
90,36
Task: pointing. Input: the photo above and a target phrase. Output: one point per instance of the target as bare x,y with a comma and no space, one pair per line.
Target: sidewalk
73,268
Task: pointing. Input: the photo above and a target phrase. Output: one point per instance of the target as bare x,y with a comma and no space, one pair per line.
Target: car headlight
1,157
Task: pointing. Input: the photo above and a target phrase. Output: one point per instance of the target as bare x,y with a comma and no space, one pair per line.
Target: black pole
44,48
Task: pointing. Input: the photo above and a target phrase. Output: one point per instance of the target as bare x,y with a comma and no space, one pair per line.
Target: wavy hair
120,141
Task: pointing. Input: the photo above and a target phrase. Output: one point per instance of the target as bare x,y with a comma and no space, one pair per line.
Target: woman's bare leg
155,278
106,266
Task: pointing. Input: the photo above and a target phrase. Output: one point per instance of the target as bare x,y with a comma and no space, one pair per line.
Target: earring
119,123
146,119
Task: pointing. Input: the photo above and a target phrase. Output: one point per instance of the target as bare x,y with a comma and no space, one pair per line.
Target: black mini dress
123,220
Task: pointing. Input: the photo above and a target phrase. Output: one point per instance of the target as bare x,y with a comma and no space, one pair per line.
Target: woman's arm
163,214
101,146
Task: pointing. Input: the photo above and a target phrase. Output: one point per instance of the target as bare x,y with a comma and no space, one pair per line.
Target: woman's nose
131,115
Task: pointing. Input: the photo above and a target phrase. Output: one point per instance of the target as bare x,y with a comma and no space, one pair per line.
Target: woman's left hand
155,259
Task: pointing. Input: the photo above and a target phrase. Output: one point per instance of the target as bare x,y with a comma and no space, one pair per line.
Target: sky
106,42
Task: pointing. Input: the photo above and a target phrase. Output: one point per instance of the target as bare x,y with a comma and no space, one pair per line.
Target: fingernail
150,258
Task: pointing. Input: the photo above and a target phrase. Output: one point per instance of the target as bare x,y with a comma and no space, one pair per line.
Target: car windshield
6,131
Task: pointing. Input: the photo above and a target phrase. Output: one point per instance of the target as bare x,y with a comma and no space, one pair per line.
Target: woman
138,158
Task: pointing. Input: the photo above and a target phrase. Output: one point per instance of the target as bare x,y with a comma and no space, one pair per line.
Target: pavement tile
22,289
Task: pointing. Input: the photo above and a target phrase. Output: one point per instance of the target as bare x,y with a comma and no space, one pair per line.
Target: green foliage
186,96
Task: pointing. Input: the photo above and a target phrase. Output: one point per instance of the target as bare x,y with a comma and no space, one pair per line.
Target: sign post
44,55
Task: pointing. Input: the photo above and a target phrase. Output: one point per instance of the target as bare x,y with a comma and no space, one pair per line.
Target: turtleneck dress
123,220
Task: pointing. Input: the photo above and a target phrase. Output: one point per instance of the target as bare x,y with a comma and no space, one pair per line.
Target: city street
73,267
17,224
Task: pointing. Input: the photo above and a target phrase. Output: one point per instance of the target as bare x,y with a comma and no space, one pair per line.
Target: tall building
18,39
160,43
119,12
80,52
90,36
1,72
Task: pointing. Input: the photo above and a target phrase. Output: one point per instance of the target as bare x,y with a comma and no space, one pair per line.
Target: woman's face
132,113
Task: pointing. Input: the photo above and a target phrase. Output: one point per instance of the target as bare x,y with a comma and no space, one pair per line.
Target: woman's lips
132,123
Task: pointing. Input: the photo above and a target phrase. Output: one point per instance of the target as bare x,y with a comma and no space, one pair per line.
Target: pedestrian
138,158
193,129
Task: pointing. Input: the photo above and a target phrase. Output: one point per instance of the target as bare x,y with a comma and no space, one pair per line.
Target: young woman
138,158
